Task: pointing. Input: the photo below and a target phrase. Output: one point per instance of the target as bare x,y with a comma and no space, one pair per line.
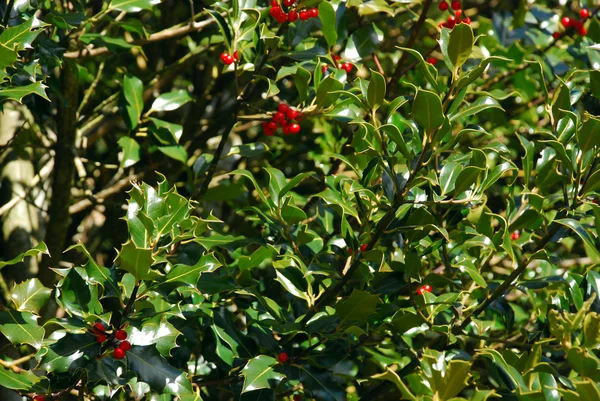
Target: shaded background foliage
476,177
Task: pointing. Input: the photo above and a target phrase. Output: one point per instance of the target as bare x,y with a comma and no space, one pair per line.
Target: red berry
432,60
300,116
443,5
456,5
286,129
236,55
576,24
125,345
424,289
272,125
293,128
515,236
227,58
304,15
584,13
336,57
467,20
39,398
556,35
99,327
323,68
363,247
283,107
268,131
292,16
275,11
291,114
288,3
121,335
314,12
274,3
297,398
281,18
582,31
451,22
283,357
119,353
566,22
458,14
100,338
347,67
279,118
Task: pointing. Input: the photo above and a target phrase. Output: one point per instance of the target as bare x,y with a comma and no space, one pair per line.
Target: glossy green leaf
30,296
152,368
583,234
133,91
21,328
481,104
460,45
327,92
176,152
328,23
39,248
23,380
137,261
21,36
359,306
427,110
376,90
259,373
588,135
132,6
171,100
17,93
131,151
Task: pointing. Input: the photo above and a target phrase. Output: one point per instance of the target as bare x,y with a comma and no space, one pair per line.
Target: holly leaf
136,261
357,308
259,373
150,367
21,328
30,295
171,100
132,6
40,248
23,380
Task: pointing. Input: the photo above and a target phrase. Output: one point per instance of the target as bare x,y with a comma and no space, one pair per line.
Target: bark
62,176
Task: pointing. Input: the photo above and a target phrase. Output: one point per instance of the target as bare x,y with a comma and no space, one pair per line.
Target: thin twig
411,41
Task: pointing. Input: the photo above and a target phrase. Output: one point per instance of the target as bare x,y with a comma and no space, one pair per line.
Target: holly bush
357,200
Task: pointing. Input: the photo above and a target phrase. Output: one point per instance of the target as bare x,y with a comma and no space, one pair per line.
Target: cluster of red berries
292,15
515,235
424,289
453,19
120,335
228,58
342,66
283,357
575,24
363,248
284,117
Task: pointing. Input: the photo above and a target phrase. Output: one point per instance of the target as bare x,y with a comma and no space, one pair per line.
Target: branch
62,176
411,41
101,196
166,34
501,289
7,12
